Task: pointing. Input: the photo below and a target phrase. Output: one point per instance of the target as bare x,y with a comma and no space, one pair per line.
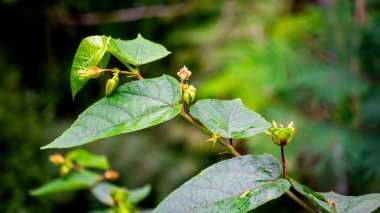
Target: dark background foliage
314,62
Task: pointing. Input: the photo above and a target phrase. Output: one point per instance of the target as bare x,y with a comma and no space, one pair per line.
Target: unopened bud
111,175
64,170
56,159
112,83
281,135
184,73
90,72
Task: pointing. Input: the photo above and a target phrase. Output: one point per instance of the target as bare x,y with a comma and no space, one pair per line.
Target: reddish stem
283,162
138,75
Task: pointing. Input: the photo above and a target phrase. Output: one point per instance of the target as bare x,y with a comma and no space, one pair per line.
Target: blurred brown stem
125,15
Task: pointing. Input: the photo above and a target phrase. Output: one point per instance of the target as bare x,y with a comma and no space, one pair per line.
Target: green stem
131,68
301,202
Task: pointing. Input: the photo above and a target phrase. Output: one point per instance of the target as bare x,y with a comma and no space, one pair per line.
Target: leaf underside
131,107
228,118
71,182
344,204
89,53
137,51
235,185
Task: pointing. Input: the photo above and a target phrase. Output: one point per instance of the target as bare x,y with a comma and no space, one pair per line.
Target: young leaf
235,185
71,182
89,53
138,51
131,107
229,119
88,160
346,204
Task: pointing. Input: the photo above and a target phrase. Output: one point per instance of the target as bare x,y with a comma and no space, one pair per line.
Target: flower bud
89,72
112,84
57,159
281,135
64,170
184,73
111,175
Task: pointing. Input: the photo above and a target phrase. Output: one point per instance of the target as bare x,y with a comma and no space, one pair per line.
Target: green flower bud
90,72
112,83
281,135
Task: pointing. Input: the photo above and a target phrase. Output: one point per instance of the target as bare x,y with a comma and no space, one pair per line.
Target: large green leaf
230,119
131,107
344,204
71,182
137,51
89,53
88,160
235,185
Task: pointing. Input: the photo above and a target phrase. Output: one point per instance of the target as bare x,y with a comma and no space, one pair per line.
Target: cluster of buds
59,160
112,83
184,73
90,72
281,135
189,93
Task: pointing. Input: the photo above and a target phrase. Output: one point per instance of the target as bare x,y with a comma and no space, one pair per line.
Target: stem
126,72
301,202
283,162
131,68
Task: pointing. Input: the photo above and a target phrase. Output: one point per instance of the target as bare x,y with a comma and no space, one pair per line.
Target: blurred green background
314,62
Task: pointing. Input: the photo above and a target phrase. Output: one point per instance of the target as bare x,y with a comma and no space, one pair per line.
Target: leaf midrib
237,194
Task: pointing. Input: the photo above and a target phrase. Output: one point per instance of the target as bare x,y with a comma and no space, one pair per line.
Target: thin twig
125,15
301,202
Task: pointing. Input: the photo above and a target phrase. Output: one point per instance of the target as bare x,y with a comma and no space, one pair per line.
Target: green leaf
138,51
131,107
311,195
89,53
235,185
229,119
137,195
71,182
88,160
344,204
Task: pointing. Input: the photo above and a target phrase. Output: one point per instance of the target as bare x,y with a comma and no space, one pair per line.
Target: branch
126,15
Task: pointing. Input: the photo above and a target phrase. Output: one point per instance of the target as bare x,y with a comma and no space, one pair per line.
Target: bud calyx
281,135
90,72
